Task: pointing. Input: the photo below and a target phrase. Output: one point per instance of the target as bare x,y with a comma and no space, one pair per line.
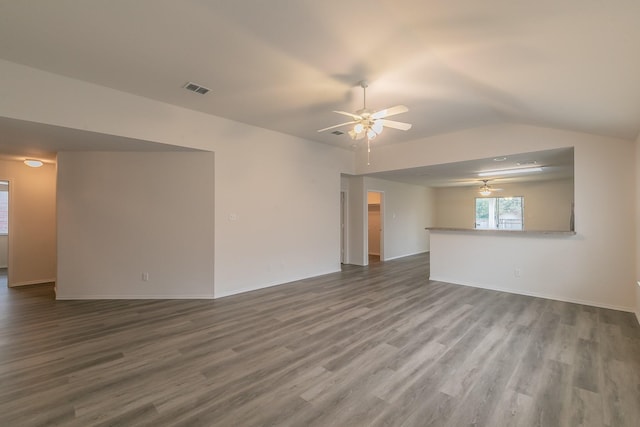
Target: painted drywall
597,266
357,205
407,210
281,191
374,224
277,211
637,224
373,198
547,204
4,238
4,251
124,214
32,222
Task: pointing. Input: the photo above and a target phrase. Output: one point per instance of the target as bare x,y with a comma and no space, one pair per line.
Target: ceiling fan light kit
369,123
485,190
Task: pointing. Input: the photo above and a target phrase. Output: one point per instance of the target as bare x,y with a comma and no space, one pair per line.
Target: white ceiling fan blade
353,116
396,125
337,126
388,112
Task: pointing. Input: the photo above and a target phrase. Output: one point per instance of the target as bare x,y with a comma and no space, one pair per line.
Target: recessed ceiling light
526,162
499,159
510,171
33,163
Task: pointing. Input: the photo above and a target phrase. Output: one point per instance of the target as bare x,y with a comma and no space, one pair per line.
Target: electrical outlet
145,276
517,272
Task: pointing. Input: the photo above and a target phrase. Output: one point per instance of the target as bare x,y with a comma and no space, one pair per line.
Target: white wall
123,214
547,204
357,205
407,210
285,194
282,190
32,222
597,266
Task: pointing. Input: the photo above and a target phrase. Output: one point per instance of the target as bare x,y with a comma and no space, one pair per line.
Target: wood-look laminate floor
377,346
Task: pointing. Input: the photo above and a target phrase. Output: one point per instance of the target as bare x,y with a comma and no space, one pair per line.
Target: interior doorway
4,232
375,221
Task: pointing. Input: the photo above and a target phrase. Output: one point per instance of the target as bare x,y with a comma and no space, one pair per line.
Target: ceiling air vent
196,88
337,132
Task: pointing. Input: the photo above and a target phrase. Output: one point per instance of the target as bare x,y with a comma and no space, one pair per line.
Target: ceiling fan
486,189
371,123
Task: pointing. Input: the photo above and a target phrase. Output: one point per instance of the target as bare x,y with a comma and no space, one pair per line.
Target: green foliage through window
500,213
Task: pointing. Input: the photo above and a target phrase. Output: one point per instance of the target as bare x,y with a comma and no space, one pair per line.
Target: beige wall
32,222
4,239
637,225
4,251
374,229
124,214
547,204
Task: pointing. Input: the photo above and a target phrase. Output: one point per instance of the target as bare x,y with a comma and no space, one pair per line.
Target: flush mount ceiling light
33,163
510,171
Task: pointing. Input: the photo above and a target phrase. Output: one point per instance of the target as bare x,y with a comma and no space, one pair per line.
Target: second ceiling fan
369,123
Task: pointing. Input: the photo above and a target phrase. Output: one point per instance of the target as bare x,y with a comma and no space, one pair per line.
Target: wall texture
4,251
32,222
276,196
637,225
547,204
406,211
124,214
597,266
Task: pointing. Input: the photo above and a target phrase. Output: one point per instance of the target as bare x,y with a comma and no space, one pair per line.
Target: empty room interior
387,213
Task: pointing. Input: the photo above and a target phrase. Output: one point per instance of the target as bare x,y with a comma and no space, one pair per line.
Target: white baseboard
537,295
219,294
405,255
120,297
32,282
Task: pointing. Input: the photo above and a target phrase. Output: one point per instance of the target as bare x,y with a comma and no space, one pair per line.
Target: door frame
344,226
10,231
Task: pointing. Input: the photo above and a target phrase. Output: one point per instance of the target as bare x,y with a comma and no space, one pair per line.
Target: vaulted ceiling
285,65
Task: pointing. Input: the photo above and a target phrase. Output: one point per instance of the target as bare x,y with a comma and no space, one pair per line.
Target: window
499,213
4,211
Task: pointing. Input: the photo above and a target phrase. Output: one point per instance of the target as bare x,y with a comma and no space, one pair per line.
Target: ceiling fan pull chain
368,151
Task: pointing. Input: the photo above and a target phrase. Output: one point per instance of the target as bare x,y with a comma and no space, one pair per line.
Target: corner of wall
638,302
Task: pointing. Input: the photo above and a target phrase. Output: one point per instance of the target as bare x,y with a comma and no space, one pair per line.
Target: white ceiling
556,164
285,65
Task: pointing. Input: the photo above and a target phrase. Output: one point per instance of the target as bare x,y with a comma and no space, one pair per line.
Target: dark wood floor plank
367,346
